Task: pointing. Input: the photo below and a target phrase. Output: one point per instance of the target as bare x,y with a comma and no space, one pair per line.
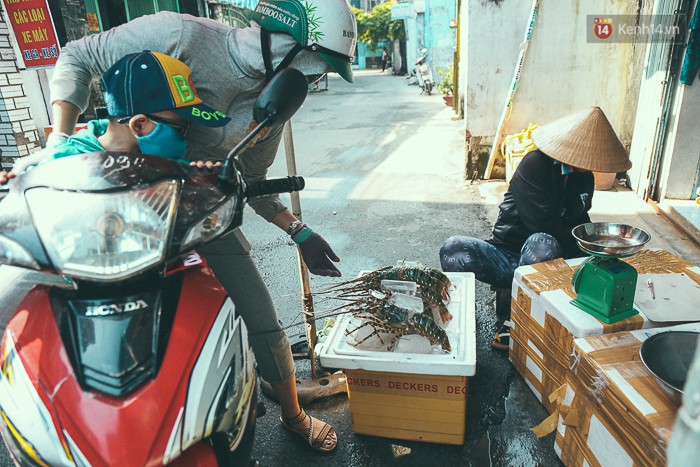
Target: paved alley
383,166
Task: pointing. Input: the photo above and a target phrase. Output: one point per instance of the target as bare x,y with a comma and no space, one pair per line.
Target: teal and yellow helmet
327,27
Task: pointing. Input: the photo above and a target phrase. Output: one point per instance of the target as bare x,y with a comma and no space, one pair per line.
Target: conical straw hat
585,140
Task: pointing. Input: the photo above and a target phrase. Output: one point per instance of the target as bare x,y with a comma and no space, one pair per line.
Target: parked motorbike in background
136,355
422,74
425,74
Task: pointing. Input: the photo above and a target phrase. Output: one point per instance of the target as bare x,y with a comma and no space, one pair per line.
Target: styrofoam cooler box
545,322
407,395
532,328
615,412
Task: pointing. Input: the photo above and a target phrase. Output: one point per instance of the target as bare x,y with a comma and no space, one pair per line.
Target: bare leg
287,395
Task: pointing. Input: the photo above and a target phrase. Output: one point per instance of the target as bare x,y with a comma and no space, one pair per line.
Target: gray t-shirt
227,71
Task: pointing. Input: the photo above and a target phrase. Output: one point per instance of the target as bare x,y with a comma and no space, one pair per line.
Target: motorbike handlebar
278,185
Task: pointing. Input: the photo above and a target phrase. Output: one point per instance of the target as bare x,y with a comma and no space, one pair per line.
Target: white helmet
324,26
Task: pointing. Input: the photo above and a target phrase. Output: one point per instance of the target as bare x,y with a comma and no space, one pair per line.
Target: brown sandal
319,443
501,340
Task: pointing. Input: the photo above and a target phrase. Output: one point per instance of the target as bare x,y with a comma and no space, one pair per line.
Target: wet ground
384,168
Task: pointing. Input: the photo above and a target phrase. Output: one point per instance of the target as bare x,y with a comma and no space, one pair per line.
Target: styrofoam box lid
579,323
336,352
522,271
529,269
640,335
557,303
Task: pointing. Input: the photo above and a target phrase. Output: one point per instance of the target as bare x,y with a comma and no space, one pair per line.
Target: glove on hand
23,163
317,253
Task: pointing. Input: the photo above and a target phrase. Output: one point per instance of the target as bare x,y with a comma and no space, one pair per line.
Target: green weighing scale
604,284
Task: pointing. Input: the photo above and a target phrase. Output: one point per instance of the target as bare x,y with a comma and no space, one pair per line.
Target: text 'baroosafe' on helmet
324,26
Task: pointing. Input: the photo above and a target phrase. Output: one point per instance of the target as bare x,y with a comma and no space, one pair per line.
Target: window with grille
137,8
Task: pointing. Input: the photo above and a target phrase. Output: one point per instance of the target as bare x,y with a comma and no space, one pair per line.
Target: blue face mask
164,141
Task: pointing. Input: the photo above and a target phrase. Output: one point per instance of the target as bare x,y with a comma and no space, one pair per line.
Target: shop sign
34,30
402,10
248,4
93,22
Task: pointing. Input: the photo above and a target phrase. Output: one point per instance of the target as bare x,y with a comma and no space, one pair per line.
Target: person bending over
231,67
550,193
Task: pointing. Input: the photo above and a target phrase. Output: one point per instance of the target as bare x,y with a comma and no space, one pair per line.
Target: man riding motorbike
231,68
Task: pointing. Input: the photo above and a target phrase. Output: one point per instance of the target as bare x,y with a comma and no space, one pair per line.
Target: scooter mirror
281,98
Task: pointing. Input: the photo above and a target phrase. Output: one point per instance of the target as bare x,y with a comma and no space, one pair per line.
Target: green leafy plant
446,85
376,26
314,34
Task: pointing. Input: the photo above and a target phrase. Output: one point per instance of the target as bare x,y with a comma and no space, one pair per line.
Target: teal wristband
302,235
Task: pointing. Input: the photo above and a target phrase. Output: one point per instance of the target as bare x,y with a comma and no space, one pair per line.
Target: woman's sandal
501,340
325,441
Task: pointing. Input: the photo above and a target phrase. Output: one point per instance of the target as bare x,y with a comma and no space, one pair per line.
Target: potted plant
446,84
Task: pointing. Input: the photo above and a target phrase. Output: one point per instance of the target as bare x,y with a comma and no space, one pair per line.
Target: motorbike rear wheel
429,87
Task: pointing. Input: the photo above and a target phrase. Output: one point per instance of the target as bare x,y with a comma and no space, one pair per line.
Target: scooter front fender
158,422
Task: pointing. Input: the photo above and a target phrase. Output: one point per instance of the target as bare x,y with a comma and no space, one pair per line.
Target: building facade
633,76
428,26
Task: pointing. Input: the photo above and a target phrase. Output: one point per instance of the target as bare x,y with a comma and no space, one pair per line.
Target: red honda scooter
137,356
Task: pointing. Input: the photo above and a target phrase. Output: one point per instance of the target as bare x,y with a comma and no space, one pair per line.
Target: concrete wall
414,39
36,84
18,133
462,67
491,33
561,74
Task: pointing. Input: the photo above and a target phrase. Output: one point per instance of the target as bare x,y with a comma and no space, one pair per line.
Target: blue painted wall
367,58
439,39
431,29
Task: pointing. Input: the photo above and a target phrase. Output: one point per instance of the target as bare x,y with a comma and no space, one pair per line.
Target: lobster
384,317
434,285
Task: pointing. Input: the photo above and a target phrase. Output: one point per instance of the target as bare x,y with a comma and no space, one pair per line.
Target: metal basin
668,356
610,239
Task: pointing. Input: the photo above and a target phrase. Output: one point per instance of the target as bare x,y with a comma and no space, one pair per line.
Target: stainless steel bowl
610,239
668,356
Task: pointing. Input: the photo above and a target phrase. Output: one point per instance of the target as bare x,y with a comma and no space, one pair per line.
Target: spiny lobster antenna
363,278
370,301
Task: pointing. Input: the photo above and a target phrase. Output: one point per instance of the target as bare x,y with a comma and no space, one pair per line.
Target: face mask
164,141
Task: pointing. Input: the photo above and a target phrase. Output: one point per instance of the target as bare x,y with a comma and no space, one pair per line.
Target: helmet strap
266,47
289,57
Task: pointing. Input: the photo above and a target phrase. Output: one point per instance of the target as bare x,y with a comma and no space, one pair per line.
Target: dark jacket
541,199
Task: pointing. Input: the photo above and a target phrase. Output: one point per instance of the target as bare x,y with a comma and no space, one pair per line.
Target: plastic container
404,287
604,181
407,394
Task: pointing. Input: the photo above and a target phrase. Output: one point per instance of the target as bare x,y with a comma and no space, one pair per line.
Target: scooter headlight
104,236
15,254
212,225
